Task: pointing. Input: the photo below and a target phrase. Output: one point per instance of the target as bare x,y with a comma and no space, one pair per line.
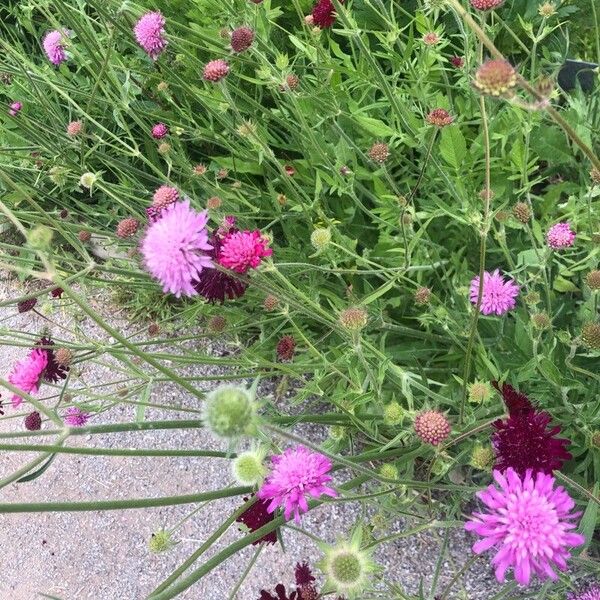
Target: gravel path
104,555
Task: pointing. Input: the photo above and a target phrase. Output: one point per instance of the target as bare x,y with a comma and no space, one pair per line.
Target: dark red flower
255,517
457,61
303,574
26,305
215,285
33,421
281,594
286,347
324,13
57,292
526,440
53,372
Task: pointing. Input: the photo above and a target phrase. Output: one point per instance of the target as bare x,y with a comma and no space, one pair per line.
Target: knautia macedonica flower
286,347
230,412
63,357
347,566
486,4
379,152
244,250
27,374
215,70
495,77
323,13
164,196
547,9
74,128
529,522
422,296
150,33
241,39
14,109
248,467
54,46
257,516
560,236
526,441
26,305
33,421
214,284
499,296
432,427
87,180
159,131
522,212
175,248
354,318
75,417
320,238
270,303
592,593
216,324
54,371
127,227
431,38
297,474
439,117
457,61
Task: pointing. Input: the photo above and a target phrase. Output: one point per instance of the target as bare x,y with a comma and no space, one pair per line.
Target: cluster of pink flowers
498,296
150,34
297,474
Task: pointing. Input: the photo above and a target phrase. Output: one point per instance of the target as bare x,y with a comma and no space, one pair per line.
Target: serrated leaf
453,147
374,126
564,285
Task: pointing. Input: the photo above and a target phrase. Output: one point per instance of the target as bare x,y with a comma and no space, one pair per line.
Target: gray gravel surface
104,555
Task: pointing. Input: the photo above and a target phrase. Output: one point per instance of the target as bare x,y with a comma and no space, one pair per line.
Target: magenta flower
159,131
54,47
592,593
150,34
14,109
498,295
297,474
529,523
324,14
175,248
243,250
526,441
75,417
27,374
560,236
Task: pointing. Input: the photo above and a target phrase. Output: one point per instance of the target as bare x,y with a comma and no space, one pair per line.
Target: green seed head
229,412
479,391
354,318
389,471
320,238
248,468
482,458
541,320
40,237
393,413
161,541
590,336
337,432
87,180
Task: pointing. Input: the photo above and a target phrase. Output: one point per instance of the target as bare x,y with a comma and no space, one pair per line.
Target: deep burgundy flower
213,284
323,13
255,517
303,574
281,594
26,305
57,292
286,347
53,372
526,440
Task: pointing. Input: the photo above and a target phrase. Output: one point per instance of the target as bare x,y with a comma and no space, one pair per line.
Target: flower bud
229,412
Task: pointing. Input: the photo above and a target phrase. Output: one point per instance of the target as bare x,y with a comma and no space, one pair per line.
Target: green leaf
564,285
453,147
374,126
140,409
587,525
37,473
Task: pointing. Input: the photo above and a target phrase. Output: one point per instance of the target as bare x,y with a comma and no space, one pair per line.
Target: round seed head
432,427
439,117
495,77
248,467
127,227
379,152
229,412
241,39
590,336
354,318
422,296
161,541
593,279
320,238
521,212
393,413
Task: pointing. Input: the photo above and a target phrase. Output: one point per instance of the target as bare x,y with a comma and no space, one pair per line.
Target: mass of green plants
389,211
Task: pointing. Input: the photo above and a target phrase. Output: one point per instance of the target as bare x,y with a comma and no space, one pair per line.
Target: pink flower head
244,250
499,296
54,47
164,196
150,33
297,474
323,14
75,417
27,374
74,128
175,246
529,522
215,70
457,61
592,593
560,236
14,109
159,131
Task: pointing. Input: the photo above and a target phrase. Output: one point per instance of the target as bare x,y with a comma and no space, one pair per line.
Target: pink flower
75,417
175,246
159,131
74,128
529,523
27,374
164,195
14,109
150,34
215,70
244,250
54,47
560,236
297,474
498,295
